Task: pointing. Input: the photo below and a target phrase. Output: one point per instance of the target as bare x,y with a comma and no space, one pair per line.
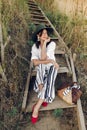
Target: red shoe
44,104
34,119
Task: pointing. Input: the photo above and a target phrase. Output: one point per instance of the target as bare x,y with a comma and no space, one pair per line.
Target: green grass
13,112
58,112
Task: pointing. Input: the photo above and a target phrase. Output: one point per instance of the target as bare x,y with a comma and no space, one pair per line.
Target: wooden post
73,69
80,115
67,60
26,88
2,53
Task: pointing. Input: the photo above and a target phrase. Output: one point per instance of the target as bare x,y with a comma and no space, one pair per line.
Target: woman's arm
43,50
37,62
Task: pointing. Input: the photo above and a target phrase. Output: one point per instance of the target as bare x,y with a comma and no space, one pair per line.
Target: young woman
43,57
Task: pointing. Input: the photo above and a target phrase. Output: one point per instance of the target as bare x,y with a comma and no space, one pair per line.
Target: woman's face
43,35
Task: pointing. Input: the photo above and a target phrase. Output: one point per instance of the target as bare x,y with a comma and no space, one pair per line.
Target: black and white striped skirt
46,75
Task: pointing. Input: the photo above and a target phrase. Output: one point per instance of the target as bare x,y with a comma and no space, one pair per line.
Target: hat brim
34,36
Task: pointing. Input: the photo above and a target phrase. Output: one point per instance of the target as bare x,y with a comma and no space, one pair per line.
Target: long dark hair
38,42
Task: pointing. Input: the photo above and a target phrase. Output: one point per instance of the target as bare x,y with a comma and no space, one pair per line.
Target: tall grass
71,29
15,22
9,10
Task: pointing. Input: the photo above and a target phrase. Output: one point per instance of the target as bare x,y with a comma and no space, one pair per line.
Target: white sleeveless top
36,52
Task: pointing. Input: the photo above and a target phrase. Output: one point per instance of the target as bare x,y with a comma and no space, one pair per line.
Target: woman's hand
43,49
47,40
54,63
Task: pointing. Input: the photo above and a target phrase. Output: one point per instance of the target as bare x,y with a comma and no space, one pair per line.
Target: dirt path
47,121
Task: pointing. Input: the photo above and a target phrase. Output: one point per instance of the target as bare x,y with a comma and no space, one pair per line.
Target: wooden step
35,13
57,103
55,39
35,9
31,2
59,52
32,5
37,23
37,16
61,70
39,20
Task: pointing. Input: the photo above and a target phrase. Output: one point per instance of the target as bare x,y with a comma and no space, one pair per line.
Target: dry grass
11,10
71,29
15,22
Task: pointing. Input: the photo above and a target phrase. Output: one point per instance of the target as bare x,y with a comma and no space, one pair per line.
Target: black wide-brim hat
39,28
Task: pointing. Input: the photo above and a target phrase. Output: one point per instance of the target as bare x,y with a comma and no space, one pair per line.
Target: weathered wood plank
26,92
26,89
32,2
35,13
68,63
80,115
2,53
59,52
37,23
37,16
57,103
35,9
32,5
39,20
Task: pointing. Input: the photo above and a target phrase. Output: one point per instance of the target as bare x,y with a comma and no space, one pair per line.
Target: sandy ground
47,121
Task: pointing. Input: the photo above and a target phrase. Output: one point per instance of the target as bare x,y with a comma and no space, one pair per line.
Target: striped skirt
46,75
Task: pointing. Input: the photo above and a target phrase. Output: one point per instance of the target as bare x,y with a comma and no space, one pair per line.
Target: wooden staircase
38,17
65,61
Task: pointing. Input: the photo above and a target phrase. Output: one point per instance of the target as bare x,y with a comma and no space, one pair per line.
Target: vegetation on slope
14,21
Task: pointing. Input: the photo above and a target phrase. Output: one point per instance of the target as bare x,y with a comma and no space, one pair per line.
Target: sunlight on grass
71,29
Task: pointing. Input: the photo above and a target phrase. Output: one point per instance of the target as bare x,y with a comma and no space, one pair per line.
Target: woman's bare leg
40,86
37,107
38,104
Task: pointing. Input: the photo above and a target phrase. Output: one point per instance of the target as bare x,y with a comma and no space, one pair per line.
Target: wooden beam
68,63
57,103
81,120
35,13
32,5
35,9
26,89
37,23
59,52
80,115
73,69
31,2
36,16
39,20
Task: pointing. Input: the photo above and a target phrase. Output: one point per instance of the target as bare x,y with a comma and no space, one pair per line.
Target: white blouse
36,52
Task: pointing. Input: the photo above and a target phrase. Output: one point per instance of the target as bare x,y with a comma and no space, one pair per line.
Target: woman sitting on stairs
43,59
